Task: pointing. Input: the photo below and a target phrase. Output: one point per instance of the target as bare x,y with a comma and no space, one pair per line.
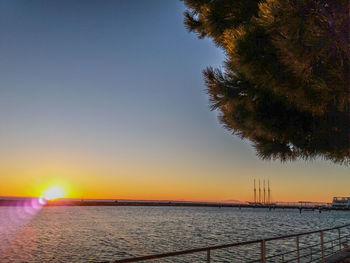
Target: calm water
92,234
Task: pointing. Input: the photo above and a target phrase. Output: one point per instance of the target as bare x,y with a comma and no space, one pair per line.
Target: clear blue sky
108,97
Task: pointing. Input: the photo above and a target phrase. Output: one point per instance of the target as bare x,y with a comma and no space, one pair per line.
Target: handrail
306,233
258,241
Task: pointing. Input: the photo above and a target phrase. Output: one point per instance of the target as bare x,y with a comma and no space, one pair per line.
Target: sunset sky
108,100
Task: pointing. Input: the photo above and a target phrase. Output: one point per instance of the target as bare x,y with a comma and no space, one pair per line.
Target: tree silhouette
285,83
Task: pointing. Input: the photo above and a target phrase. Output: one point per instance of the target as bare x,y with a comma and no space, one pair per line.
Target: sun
54,192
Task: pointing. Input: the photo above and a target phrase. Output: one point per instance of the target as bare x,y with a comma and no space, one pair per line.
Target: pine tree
285,83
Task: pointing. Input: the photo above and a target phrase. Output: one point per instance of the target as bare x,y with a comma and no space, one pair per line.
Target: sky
107,100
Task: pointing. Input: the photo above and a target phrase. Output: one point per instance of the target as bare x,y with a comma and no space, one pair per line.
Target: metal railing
310,253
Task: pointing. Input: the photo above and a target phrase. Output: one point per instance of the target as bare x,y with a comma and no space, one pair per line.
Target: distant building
341,202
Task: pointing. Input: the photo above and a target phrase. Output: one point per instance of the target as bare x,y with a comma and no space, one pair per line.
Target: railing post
208,256
339,239
322,245
332,247
263,251
310,254
298,252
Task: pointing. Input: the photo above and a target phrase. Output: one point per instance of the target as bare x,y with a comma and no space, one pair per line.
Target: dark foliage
285,86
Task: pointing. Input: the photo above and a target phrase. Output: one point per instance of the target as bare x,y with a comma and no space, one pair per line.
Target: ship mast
254,192
268,191
259,192
264,191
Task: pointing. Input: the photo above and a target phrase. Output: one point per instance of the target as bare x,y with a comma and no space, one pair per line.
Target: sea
104,234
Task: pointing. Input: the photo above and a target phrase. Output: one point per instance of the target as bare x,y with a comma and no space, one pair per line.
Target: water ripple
90,234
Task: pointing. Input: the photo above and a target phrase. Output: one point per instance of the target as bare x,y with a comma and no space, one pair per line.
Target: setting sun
54,192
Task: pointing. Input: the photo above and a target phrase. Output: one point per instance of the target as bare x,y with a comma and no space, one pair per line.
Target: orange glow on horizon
133,183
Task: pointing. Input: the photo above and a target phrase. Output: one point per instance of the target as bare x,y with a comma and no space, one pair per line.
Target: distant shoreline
65,202
4,202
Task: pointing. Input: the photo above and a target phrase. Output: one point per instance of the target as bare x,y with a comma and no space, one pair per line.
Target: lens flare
41,201
54,192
